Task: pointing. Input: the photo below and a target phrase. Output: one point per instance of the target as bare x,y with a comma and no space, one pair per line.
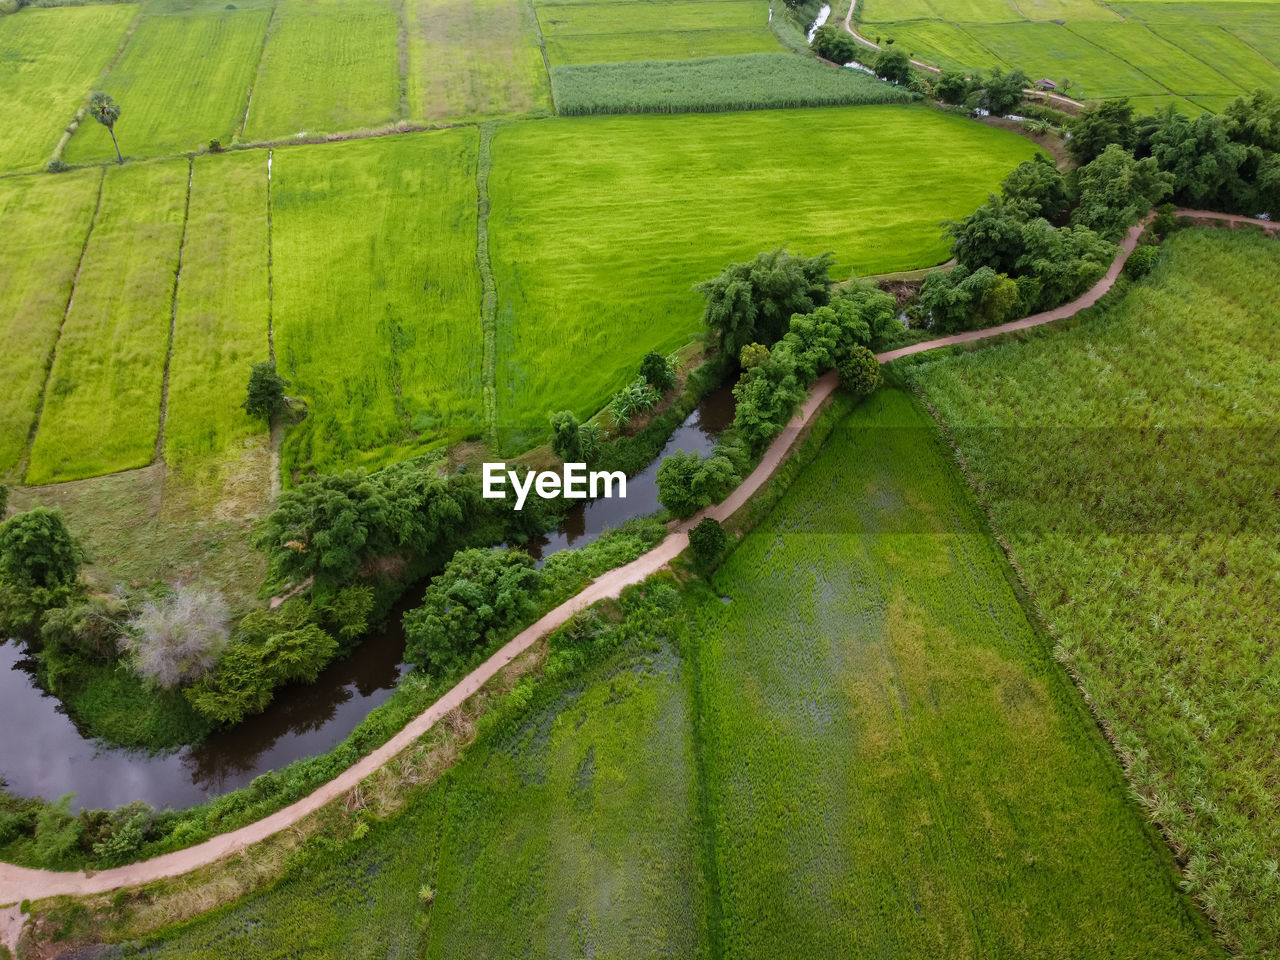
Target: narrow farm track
18,883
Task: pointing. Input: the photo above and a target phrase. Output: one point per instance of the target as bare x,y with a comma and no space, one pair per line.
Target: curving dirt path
18,883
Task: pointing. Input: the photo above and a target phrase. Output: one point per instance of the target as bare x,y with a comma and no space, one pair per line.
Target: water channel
44,754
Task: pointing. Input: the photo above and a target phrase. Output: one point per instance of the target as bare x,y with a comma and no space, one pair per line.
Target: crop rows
1131,463
747,82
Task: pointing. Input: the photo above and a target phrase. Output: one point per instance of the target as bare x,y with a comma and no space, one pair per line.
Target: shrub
1166,220
36,549
4,501
215,145
123,834
478,593
952,87
832,42
1141,261
178,639
893,65
859,371
687,483
635,397
707,542
91,628
56,165
566,436
265,394
657,371
58,832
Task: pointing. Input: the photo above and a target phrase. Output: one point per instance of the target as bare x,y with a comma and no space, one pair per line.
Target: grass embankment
183,80
102,403
52,60
1131,462
894,763
44,223
377,297
748,82
600,226
606,31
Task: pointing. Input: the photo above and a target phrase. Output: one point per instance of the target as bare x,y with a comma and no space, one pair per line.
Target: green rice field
474,60
377,296
220,328
327,66
1131,463
609,30
49,61
895,765
102,402
1209,52
184,79
600,226
44,223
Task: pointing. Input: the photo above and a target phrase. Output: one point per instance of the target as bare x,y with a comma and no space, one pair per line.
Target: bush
952,87
58,832
479,593
859,371
123,834
215,145
56,165
36,550
1166,220
265,394
566,436
707,543
893,65
1141,261
178,639
4,501
687,483
657,371
89,628
635,397
833,42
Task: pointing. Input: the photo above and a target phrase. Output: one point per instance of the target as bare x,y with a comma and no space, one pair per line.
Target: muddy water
42,753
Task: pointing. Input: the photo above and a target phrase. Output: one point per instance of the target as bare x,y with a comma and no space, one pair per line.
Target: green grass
1131,463
43,221
943,44
1168,65
648,30
1214,45
182,80
601,225
223,309
377,296
328,66
469,60
49,62
102,403
747,82
895,765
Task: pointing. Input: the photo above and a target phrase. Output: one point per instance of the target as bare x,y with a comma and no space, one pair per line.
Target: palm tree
106,111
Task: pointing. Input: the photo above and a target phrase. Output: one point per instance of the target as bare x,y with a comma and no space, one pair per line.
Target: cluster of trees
833,42
777,315
1227,161
997,92
576,442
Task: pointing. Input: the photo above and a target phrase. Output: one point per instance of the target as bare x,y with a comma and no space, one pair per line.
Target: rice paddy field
223,310
600,226
44,223
895,766
471,60
185,77
1203,54
102,400
608,30
376,300
1131,463
49,61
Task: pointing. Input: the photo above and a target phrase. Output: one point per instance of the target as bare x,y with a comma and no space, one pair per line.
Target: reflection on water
43,754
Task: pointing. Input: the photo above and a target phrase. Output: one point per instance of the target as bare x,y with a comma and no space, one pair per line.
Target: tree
566,436
952,87
964,299
893,65
106,111
1141,261
1058,265
752,355
1116,191
265,395
178,639
707,543
36,550
1204,161
753,302
859,371
834,43
1001,92
675,484
1037,188
1096,129
479,593
657,371
991,236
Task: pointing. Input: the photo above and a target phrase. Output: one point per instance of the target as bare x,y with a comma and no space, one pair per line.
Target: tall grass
377,297
894,764
1131,463
44,222
748,82
220,329
102,403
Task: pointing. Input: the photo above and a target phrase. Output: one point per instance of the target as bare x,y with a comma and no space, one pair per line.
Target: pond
46,755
